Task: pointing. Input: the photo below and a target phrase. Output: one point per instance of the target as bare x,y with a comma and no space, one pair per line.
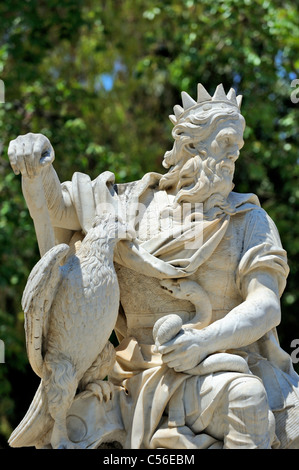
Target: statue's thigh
222,396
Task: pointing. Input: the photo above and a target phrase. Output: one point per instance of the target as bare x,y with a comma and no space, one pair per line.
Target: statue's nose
234,153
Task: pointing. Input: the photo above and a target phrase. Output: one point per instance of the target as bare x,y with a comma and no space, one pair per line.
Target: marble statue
200,270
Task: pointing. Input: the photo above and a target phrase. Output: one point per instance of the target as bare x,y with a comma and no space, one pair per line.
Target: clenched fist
30,153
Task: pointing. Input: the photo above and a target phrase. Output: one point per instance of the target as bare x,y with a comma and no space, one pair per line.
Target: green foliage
100,78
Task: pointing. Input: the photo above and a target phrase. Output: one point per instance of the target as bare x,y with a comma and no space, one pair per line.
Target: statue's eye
223,141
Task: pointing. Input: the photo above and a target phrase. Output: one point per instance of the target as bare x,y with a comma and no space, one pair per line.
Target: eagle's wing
37,299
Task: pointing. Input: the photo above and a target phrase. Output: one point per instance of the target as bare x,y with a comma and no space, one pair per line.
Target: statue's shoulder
254,220
243,201
256,225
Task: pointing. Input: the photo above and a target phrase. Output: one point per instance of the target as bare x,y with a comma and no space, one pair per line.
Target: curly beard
201,180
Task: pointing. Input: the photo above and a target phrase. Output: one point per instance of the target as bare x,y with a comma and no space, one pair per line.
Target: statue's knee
248,392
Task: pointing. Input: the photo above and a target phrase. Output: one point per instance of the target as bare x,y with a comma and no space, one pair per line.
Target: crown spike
231,96
239,100
219,94
178,110
173,119
188,102
202,94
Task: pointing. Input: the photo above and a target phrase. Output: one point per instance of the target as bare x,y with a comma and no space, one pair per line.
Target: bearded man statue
198,364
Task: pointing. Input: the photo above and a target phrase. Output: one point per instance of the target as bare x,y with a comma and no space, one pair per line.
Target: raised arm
32,155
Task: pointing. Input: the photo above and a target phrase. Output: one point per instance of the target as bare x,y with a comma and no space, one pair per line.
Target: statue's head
208,136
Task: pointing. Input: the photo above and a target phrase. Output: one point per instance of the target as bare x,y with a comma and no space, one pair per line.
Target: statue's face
211,168
225,144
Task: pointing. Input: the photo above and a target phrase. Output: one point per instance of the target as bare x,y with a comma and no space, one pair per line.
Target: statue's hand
185,351
30,153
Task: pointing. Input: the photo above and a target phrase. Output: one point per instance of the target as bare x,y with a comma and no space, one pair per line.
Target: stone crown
205,102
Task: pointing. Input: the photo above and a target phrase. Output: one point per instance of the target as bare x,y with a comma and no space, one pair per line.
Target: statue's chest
154,215
218,274
143,295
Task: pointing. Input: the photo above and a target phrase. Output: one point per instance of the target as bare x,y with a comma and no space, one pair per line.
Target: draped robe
163,408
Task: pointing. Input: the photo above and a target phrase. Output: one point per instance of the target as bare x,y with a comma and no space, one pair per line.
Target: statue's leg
243,419
92,381
60,386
